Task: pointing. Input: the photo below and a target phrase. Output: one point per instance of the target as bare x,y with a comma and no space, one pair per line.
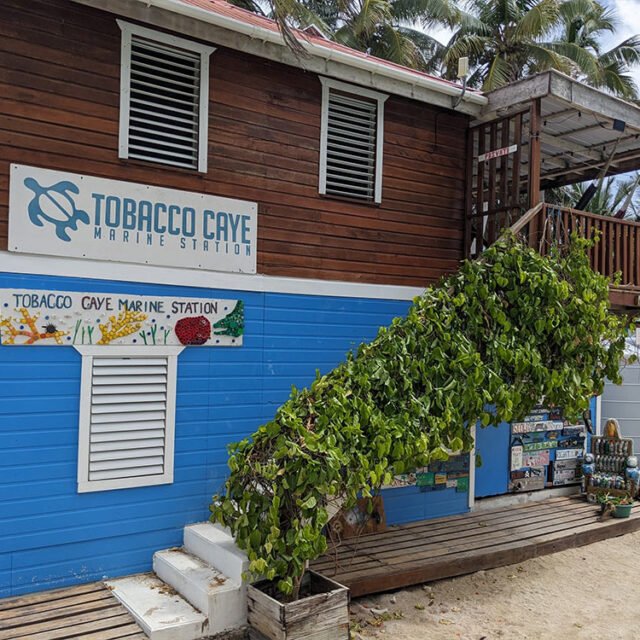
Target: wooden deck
88,611
428,550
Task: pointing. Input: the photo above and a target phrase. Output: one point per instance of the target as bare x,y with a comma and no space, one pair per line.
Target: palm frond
586,62
427,12
572,11
498,74
430,50
394,46
627,52
538,20
372,14
545,59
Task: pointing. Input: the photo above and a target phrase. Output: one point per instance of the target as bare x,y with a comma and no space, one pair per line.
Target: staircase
196,591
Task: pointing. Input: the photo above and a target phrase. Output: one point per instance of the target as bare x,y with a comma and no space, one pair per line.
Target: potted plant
502,332
616,506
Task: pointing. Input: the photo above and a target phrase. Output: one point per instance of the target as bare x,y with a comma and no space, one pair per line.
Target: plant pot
622,510
321,615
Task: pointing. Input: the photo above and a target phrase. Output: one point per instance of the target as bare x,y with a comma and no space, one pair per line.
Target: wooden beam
570,146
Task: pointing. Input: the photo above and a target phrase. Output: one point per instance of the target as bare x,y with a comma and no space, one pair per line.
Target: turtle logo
54,205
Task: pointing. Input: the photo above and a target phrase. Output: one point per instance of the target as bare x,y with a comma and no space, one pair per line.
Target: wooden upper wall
59,102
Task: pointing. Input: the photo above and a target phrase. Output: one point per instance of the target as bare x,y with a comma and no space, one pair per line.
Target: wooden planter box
323,615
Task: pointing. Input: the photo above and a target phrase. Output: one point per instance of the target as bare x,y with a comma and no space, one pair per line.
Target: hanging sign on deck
497,153
36,317
72,215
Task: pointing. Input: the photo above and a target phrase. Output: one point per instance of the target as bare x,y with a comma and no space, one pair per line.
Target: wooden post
468,195
534,169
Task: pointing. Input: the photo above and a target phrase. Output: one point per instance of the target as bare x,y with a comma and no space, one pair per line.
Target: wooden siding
59,96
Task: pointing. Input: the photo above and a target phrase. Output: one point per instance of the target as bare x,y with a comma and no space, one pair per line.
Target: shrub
502,332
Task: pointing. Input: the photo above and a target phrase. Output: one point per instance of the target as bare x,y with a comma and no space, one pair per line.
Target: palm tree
503,40
507,40
608,199
582,25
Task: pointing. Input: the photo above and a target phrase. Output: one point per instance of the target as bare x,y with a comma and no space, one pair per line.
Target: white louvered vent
351,149
164,104
126,421
128,417
163,108
351,146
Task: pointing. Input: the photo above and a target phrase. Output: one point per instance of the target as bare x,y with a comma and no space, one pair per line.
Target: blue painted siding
51,536
408,504
492,444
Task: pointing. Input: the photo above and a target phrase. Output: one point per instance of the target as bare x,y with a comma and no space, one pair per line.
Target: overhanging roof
577,128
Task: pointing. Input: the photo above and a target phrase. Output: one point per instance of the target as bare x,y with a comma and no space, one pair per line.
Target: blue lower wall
51,536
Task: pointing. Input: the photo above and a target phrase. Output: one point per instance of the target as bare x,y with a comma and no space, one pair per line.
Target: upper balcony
543,132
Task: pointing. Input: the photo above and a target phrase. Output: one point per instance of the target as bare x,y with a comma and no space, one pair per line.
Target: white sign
516,457
72,215
30,317
489,155
568,454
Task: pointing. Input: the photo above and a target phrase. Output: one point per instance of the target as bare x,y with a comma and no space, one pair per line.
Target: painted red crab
193,331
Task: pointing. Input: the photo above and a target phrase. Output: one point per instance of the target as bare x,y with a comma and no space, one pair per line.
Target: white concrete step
215,545
158,609
220,598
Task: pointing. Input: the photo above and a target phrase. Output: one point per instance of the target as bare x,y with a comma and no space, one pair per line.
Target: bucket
622,511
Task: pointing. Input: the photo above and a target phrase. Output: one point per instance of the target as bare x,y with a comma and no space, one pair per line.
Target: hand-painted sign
29,317
534,427
497,153
568,454
67,214
516,457
537,446
532,480
537,459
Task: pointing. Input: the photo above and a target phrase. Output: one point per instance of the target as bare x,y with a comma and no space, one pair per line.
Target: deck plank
87,611
445,547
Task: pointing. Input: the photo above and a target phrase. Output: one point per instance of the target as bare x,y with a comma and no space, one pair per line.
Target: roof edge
369,65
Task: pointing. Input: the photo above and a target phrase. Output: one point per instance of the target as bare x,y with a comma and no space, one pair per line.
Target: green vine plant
481,347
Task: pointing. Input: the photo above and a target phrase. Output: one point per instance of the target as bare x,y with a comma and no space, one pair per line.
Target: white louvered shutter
127,418
164,101
351,143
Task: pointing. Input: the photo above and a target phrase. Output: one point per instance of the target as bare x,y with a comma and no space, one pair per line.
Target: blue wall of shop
51,536
493,445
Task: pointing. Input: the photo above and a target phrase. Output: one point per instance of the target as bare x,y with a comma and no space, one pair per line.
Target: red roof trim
225,9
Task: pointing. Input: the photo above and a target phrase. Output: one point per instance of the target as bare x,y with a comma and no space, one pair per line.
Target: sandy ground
592,593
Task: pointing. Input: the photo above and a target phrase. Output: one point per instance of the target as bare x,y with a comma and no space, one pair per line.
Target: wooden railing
618,248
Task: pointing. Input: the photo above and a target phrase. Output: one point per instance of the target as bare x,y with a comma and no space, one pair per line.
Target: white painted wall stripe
76,268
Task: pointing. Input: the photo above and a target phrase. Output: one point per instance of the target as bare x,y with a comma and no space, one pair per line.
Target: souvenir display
546,450
444,474
611,465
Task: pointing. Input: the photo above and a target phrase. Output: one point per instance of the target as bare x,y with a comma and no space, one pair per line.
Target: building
193,218
122,197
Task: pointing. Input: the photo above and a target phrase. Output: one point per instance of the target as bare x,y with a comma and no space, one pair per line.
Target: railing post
534,169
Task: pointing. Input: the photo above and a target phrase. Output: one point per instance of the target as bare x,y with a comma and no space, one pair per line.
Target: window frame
129,29
356,92
88,354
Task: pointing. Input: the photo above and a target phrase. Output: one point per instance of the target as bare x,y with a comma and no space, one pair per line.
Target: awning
580,126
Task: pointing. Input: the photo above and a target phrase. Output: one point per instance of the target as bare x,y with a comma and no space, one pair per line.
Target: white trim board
125,272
